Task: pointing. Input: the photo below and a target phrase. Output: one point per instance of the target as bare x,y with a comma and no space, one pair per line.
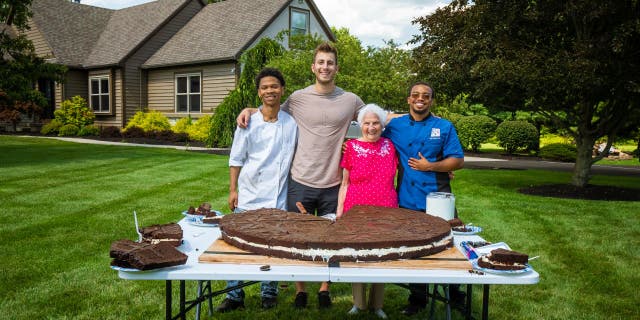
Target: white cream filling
156,241
325,254
497,263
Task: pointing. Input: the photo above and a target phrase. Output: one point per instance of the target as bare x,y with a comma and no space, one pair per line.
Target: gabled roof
128,28
84,36
70,29
87,36
221,31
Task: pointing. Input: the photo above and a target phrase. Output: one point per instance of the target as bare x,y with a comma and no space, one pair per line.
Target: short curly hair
375,109
269,72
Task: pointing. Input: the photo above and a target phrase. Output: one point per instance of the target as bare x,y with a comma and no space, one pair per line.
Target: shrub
454,118
75,111
133,132
169,135
199,131
149,121
52,127
558,151
182,125
516,134
111,132
68,130
550,138
90,130
474,130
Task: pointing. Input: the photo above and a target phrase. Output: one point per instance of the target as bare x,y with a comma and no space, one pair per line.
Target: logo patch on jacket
435,132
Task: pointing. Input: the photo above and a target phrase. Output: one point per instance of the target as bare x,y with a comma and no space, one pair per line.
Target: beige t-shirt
323,121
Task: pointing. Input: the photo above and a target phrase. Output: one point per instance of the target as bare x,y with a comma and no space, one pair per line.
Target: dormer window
299,22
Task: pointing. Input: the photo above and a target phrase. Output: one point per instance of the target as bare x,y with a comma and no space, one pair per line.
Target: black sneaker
324,299
268,303
412,309
229,305
301,300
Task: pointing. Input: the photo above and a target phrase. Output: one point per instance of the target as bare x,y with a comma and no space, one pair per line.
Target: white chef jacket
264,150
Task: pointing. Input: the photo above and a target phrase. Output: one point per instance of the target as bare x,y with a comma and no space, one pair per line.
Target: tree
20,68
377,75
575,62
223,122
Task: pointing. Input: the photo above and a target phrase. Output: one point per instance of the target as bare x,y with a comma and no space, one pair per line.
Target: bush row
511,135
74,118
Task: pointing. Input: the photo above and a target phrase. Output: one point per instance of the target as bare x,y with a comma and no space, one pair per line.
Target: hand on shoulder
245,115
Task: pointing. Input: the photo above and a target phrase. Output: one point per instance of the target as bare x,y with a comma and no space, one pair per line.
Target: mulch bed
590,192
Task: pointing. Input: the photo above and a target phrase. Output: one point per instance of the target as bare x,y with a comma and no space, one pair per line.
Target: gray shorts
319,201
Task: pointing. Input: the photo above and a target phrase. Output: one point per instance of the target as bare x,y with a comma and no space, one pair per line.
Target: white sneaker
353,311
380,314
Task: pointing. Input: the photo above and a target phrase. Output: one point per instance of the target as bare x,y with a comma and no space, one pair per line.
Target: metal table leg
485,302
468,302
168,296
182,300
185,306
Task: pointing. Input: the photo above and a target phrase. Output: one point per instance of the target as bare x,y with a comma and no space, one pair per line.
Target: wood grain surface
222,252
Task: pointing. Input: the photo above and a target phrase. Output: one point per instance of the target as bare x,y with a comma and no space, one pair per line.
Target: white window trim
188,93
100,94
303,11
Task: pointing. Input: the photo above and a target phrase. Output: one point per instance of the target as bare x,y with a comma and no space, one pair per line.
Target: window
99,96
299,22
188,92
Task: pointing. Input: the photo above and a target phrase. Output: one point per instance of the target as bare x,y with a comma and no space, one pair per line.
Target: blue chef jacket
436,139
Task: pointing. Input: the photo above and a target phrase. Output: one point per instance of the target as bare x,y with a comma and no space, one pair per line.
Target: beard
420,111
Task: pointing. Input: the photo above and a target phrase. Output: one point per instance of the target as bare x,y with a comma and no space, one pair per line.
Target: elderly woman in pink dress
369,168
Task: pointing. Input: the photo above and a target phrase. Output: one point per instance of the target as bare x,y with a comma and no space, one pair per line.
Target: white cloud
371,21
114,4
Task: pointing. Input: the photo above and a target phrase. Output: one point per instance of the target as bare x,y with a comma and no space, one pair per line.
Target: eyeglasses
425,96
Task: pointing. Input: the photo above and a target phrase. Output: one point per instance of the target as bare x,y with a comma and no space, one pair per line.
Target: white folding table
196,240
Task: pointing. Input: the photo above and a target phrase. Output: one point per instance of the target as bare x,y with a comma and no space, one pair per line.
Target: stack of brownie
157,249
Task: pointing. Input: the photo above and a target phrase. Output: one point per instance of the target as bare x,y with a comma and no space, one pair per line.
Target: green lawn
62,204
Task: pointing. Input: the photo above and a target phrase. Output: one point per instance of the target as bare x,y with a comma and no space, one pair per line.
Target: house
179,57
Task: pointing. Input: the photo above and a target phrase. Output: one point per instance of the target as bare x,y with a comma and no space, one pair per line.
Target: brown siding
135,93
76,85
217,81
42,49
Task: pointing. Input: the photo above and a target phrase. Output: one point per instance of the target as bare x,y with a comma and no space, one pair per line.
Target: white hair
375,109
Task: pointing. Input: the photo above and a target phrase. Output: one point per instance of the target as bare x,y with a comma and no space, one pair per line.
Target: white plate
199,223
481,251
138,270
198,217
475,265
474,230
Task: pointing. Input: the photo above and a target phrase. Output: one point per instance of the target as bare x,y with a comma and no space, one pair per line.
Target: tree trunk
582,168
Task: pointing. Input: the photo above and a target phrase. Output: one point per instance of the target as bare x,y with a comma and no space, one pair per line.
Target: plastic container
441,204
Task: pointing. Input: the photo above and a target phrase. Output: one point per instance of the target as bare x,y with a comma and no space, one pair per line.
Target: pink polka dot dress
372,169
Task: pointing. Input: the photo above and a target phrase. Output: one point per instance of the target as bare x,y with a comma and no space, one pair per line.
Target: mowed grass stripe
55,236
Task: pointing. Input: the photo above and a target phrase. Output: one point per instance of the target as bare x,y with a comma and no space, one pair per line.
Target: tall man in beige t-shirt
323,113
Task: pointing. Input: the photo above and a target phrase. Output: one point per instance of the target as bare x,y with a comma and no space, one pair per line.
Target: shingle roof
70,29
219,32
127,28
87,36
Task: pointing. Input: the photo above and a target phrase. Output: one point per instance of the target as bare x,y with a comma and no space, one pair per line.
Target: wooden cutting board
222,252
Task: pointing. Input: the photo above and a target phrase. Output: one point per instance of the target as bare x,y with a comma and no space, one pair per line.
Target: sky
364,18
